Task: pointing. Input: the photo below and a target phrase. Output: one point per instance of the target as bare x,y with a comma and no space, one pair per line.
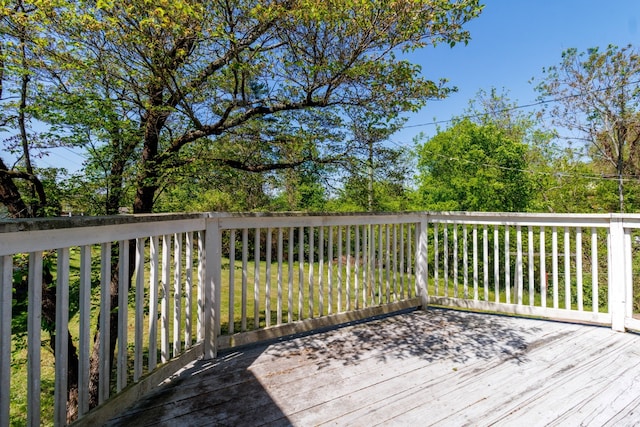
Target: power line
517,107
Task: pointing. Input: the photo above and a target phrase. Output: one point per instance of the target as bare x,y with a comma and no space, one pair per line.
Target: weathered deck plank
439,367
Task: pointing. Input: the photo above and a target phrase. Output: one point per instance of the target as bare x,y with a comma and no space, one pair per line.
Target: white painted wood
405,262
567,268
140,306
6,286
402,266
524,310
105,308
485,260
230,221
164,300
445,257
412,245
388,275
245,278
267,279
366,266
539,219
421,262
115,230
330,265
154,279
368,284
465,261
310,276
356,280
628,275
201,279
395,273
455,260
51,239
280,276
123,312
361,293
531,265
347,272
554,264
380,257
519,266
543,269
579,269
84,337
290,277
436,263
300,273
321,271
360,269
213,288
256,278
496,263
374,283
594,270
474,237
188,286
34,321
507,265
62,338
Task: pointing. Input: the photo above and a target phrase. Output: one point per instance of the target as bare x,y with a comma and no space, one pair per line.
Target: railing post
212,285
6,277
421,263
617,272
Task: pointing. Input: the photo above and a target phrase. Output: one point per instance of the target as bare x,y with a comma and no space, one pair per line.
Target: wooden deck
440,367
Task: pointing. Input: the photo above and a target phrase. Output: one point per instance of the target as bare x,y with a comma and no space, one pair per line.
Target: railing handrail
372,254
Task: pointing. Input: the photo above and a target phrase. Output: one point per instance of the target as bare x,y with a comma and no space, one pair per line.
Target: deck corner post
212,285
421,263
618,277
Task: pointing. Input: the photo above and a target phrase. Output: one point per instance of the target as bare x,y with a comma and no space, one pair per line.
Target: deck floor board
439,367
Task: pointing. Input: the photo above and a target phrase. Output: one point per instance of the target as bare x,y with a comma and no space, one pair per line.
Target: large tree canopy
153,81
471,167
173,90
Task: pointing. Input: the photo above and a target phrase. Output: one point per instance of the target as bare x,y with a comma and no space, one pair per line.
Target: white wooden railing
200,283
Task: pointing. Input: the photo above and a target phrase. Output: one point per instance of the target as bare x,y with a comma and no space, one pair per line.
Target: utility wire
517,107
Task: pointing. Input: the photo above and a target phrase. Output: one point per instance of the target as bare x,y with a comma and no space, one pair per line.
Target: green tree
152,88
598,98
185,72
471,167
22,190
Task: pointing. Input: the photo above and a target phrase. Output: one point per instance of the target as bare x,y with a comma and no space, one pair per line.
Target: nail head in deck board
440,366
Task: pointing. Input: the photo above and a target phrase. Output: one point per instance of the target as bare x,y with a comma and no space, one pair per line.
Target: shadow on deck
440,367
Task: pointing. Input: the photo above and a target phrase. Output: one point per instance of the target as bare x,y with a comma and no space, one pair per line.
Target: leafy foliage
598,98
473,167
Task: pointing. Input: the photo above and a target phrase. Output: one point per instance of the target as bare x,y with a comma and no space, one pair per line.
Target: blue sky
511,42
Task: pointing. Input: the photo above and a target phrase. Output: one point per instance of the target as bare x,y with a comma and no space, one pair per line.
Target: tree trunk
10,194
621,135
114,197
147,184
